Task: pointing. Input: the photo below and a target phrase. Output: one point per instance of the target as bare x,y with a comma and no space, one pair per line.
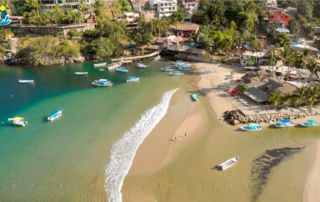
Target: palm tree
34,5
275,98
313,67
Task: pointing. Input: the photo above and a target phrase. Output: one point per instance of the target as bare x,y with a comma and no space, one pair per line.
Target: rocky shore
44,61
235,117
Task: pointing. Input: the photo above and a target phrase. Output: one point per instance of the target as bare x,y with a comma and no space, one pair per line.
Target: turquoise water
65,160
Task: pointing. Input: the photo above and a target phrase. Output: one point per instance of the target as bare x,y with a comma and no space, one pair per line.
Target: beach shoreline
167,140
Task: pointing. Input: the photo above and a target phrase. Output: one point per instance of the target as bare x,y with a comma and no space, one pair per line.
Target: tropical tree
275,99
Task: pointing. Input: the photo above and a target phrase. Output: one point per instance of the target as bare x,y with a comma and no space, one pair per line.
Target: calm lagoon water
65,160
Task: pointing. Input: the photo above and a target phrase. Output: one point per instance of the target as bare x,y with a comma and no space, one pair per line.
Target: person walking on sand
185,134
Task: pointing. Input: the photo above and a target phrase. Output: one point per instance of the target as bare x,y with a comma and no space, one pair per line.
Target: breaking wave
124,150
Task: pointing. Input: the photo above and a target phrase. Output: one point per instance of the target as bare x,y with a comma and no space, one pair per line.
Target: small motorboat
176,73
228,163
54,115
25,81
141,66
284,123
167,69
195,97
102,83
122,70
100,65
18,121
183,65
132,79
81,73
251,127
310,123
158,57
113,66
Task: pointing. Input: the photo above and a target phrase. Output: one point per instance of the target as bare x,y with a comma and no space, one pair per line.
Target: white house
46,5
164,8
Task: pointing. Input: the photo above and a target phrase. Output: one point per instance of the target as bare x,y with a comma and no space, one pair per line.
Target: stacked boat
18,121
102,83
54,115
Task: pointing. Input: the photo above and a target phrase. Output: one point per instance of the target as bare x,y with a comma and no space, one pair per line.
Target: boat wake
124,150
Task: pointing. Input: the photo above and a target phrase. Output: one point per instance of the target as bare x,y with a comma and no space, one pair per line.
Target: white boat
228,163
81,73
54,115
102,83
158,57
25,81
113,66
176,73
18,121
132,79
100,65
142,66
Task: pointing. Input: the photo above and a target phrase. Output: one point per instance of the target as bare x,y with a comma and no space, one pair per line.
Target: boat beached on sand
251,127
18,121
284,123
102,83
132,79
54,115
310,123
228,163
195,97
25,81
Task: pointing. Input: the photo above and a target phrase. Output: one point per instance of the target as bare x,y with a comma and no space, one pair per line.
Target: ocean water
66,160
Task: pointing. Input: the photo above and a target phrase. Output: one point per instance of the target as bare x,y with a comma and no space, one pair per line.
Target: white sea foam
124,150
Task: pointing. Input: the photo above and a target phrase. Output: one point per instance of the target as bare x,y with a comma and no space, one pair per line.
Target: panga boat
251,127
183,65
102,83
54,115
228,163
18,121
284,123
25,81
310,123
167,69
176,73
133,79
81,73
122,70
113,66
195,97
100,65
140,65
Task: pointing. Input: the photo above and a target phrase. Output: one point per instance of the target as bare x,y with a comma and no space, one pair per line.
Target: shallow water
65,160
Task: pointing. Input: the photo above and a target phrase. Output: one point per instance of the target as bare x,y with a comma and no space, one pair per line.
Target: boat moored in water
54,115
25,81
102,83
284,123
100,65
251,127
142,66
310,123
167,69
81,73
228,163
132,79
18,121
113,66
122,69
183,65
176,73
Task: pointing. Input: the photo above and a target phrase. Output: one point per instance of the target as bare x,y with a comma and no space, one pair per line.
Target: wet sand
170,166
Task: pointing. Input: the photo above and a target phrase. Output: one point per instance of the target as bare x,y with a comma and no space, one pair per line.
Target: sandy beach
196,131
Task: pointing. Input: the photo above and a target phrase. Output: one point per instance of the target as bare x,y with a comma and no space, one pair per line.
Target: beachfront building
46,5
189,6
249,58
186,30
164,8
